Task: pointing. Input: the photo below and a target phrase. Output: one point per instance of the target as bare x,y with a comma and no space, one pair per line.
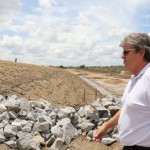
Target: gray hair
138,41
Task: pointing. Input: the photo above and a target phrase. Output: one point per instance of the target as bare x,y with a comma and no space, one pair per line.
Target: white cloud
8,8
68,32
46,4
147,16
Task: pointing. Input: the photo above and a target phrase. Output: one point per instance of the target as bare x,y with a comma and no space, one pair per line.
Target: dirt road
115,84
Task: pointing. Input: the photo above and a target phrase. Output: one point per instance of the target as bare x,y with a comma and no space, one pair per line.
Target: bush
82,66
61,66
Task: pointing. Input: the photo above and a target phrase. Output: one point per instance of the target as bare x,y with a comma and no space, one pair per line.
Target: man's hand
100,132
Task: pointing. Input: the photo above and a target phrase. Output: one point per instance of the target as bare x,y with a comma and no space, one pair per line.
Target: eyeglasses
125,52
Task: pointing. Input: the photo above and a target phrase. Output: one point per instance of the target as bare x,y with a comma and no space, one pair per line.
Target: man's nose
123,56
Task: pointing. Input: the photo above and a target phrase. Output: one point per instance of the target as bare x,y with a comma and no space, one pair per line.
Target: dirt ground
60,87
52,84
114,83
81,143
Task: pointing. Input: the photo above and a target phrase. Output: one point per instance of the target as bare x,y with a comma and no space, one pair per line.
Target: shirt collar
141,72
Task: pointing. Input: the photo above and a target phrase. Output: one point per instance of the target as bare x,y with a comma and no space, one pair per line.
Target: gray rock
32,116
11,144
2,138
27,143
102,112
86,126
48,119
12,114
90,112
81,112
62,114
41,126
68,132
50,141
57,145
27,127
113,110
10,131
108,140
4,116
12,104
23,134
25,108
2,98
39,139
57,131
2,108
4,123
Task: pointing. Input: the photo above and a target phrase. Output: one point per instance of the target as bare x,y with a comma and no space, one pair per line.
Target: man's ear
142,52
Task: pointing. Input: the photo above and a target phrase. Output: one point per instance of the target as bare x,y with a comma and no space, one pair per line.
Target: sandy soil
52,84
58,86
113,83
81,143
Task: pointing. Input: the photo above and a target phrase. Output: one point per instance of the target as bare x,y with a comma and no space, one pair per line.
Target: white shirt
134,120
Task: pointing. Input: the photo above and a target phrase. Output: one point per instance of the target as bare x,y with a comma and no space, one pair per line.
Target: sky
69,32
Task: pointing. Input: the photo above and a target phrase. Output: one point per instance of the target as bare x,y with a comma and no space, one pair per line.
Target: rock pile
31,125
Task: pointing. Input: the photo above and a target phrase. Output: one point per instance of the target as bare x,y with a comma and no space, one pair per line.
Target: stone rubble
31,125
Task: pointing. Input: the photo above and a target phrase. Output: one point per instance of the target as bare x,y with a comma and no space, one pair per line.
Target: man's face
130,58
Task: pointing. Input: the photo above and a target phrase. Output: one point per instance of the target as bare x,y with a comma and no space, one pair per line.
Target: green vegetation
61,66
111,70
104,69
82,66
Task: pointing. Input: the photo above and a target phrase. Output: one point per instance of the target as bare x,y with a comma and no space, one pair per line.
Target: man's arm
101,131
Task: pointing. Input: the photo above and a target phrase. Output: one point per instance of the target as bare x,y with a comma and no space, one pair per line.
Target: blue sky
68,32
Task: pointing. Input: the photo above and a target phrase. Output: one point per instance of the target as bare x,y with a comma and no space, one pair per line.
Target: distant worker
15,59
134,117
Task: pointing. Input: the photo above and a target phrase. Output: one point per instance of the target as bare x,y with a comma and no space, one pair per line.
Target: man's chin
125,65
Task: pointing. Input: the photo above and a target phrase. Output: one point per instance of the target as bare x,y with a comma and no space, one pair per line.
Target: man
133,119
